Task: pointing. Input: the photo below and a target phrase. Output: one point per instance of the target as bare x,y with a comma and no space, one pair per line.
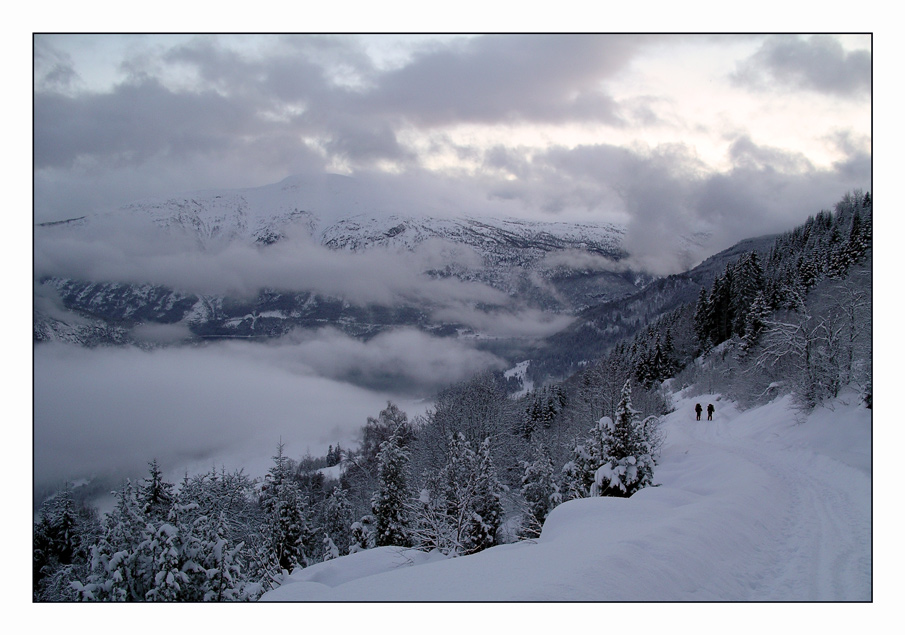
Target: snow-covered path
819,498
751,506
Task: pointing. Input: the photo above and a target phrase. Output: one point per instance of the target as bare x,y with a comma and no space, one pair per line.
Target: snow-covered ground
759,505
519,371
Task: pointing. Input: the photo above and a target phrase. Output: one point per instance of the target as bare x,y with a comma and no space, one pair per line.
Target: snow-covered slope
752,506
262,214
341,213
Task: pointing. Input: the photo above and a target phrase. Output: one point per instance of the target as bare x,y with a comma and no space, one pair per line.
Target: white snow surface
756,505
519,371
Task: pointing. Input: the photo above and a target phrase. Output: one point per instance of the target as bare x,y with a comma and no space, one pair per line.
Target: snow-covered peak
341,212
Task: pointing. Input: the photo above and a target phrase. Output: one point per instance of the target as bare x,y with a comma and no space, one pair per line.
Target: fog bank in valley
106,412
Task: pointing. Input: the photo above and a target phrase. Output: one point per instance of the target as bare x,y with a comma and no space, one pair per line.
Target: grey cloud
365,144
583,261
134,251
403,360
817,63
94,185
106,412
509,323
162,334
504,78
276,75
133,123
668,200
744,153
53,69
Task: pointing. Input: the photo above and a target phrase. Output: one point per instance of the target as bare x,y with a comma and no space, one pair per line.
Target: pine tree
540,491
460,511
747,283
629,456
390,421
389,502
62,539
362,534
755,323
858,239
488,508
285,527
185,558
165,554
55,534
155,494
588,455
221,574
722,307
337,519
116,571
702,325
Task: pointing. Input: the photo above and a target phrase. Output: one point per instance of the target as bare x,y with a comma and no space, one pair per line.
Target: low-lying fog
106,412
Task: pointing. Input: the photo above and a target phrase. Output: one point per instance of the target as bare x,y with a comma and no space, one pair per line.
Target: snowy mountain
551,267
755,505
340,213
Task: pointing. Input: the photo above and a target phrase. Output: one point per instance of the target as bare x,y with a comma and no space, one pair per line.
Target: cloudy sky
734,135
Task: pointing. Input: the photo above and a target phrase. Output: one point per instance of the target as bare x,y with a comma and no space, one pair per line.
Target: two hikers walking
698,410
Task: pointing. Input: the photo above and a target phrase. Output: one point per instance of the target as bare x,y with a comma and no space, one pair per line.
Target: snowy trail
821,549
752,506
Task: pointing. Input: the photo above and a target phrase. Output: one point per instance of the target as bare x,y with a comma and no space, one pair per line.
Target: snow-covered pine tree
433,528
168,552
540,491
702,317
747,283
389,503
391,421
360,467
629,459
124,562
55,536
362,534
223,578
488,508
331,551
116,571
858,238
460,511
587,455
755,322
285,527
230,494
62,539
155,494
337,520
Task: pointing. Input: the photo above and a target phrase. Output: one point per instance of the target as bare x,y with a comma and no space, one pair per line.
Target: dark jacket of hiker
697,409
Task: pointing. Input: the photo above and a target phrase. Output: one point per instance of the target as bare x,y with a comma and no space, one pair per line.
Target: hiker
697,409
710,412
